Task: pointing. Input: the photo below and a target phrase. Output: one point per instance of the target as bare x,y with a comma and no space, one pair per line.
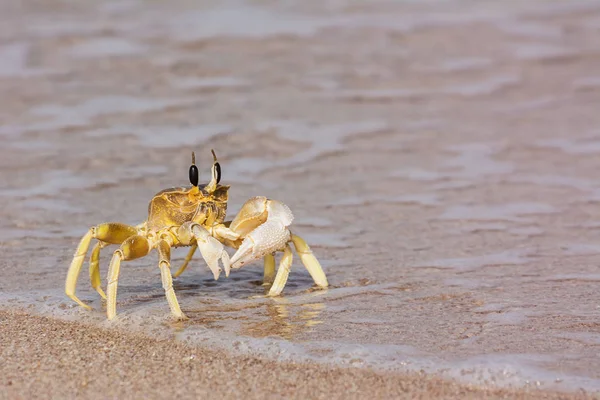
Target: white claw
214,267
267,238
272,235
212,251
243,254
226,263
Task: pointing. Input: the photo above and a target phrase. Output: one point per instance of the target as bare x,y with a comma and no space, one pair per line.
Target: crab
195,216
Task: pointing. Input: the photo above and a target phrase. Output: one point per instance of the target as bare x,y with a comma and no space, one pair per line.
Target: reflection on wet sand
284,320
246,311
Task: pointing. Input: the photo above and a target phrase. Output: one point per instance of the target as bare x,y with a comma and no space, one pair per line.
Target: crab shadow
194,285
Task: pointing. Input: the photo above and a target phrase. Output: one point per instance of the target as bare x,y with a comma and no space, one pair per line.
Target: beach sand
46,358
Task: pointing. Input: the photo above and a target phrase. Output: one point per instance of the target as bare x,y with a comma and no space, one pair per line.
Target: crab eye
218,171
194,175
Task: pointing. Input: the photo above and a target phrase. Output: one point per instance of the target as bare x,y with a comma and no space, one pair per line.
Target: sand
45,358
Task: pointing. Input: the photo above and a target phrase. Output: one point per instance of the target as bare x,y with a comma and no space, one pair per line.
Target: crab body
195,216
175,206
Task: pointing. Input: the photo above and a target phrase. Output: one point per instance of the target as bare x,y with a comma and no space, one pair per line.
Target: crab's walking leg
269,271
75,268
164,263
187,260
114,233
113,279
310,261
134,247
283,272
95,269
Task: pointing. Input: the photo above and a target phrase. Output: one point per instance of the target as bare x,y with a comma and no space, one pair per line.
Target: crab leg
95,269
269,270
283,272
113,281
187,260
113,233
75,268
164,263
310,261
134,247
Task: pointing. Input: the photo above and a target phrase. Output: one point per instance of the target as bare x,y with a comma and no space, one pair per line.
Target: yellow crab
195,216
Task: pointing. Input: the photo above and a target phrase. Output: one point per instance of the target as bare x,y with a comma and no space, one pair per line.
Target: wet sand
441,159
46,358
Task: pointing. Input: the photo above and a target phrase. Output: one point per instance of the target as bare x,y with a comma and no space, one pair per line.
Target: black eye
194,175
218,172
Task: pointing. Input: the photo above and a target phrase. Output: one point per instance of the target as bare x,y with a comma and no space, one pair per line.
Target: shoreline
67,359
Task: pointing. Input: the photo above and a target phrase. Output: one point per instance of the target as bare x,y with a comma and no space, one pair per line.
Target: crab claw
226,263
212,251
267,238
270,236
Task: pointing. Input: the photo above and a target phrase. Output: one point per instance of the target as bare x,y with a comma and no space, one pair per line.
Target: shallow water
440,159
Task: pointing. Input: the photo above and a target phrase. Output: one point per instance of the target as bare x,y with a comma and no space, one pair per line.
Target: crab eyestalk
194,171
215,174
194,177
